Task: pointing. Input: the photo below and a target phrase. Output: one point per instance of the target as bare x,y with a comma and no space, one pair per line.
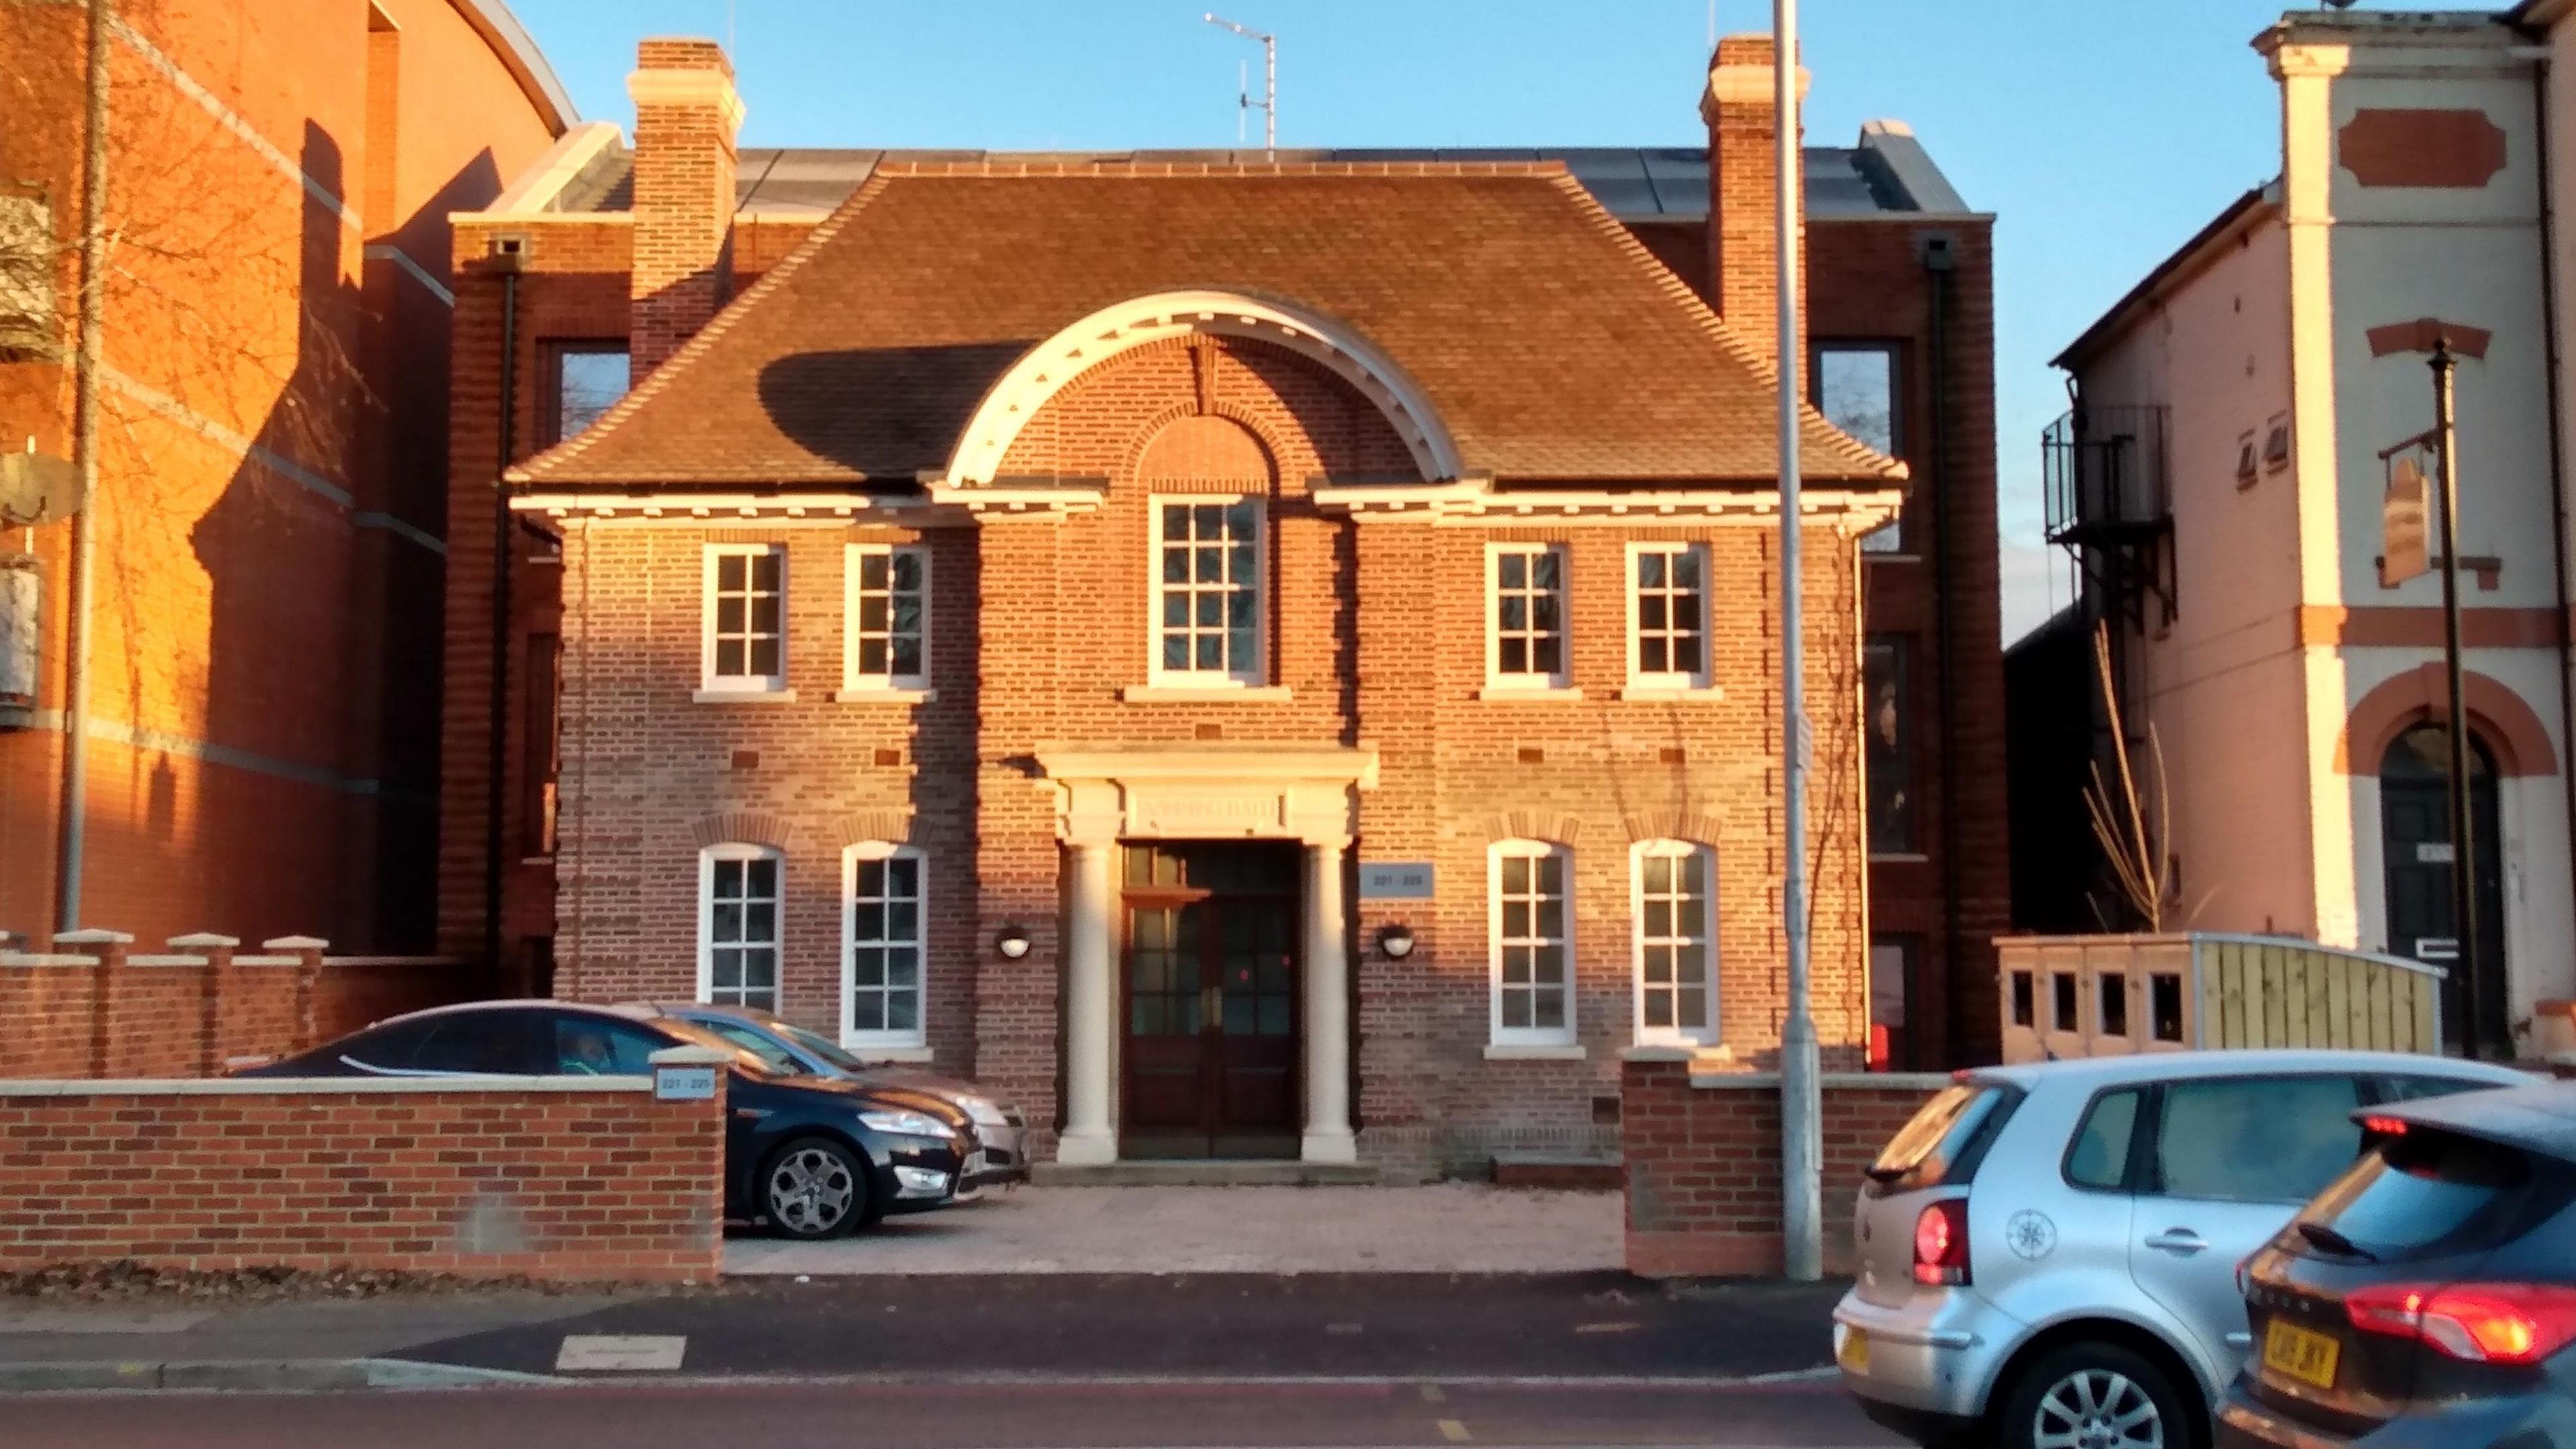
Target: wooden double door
1210,971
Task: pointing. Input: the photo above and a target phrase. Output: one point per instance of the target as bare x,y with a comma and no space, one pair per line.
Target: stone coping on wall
308,1086
1715,1072
681,1056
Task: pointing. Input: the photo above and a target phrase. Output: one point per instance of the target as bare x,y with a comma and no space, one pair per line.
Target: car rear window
1944,1138
2425,1194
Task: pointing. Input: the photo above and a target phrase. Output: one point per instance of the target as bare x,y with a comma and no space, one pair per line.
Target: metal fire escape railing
2109,501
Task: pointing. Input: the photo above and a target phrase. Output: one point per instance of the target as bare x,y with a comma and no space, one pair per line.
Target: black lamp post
2464,845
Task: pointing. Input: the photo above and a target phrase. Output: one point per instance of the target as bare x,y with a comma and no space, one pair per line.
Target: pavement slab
1139,1328
1605,1326
1048,1416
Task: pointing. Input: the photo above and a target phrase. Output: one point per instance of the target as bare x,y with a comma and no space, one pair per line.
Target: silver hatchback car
2048,1252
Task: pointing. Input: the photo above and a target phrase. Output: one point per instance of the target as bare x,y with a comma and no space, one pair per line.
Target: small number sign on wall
684,1084
1395,880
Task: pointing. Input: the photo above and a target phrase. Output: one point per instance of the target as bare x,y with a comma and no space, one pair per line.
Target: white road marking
1431,1394
620,1352
1453,1431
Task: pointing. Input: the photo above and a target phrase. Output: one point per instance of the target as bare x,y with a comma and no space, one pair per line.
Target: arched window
882,924
740,890
1531,926
1673,904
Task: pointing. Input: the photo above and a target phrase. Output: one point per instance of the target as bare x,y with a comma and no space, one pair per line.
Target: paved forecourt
1440,1228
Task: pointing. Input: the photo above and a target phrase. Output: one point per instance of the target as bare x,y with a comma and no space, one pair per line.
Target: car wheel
2096,1396
814,1188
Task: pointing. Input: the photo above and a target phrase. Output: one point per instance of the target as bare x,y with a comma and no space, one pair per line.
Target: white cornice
927,509
1850,510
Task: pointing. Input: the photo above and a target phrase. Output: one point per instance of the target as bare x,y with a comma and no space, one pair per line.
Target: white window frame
851,1036
709,681
1702,860
1526,1036
741,851
888,681
1638,676
1495,677
1241,674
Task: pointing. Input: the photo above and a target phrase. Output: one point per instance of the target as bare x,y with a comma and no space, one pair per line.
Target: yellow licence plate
1855,1351
2300,1353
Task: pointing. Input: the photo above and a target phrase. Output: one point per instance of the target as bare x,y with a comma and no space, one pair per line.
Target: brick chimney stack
1743,171
686,116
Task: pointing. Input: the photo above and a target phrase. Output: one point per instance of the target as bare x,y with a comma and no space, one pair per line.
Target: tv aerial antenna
1268,105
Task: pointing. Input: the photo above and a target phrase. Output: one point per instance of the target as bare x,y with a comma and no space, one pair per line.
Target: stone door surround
1305,793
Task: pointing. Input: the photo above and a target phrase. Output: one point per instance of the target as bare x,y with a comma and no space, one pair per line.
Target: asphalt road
631,1415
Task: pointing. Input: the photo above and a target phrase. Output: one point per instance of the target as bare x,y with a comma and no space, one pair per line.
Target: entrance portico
1305,794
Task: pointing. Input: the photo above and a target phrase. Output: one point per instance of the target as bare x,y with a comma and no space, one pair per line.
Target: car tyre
2098,1396
814,1188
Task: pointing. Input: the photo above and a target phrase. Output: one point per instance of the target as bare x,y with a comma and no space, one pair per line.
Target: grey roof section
1888,173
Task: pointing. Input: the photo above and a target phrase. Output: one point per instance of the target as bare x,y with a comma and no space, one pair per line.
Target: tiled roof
1547,340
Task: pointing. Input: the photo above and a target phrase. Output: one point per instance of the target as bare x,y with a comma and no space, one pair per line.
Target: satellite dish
37,488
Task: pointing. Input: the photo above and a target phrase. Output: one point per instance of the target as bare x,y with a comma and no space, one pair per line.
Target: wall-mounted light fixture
1013,942
1396,942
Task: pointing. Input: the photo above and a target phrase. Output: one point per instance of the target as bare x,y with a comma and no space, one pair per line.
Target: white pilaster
1089,1136
1328,1025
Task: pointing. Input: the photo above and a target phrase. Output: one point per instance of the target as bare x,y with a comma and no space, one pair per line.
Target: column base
1337,1146
1086,1149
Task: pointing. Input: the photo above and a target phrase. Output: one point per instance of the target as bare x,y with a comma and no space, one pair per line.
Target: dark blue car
2428,1297
811,1157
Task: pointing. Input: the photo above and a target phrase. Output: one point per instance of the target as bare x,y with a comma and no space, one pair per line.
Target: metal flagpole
1801,1109
2464,843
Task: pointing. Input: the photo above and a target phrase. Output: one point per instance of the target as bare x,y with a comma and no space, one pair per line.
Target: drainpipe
72,829
508,254
1940,258
2557,454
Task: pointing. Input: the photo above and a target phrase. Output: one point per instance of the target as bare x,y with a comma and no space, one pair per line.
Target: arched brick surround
1689,825
2497,715
740,827
892,825
1555,829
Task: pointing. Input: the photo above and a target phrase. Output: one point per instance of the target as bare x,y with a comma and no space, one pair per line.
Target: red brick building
269,518
1250,658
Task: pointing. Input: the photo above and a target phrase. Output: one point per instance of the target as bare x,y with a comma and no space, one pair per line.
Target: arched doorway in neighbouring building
2415,836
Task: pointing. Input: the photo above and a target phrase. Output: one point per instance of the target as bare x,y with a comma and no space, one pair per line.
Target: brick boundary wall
94,1007
566,1179
1702,1153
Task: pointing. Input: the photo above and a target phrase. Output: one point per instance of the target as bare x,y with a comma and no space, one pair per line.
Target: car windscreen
821,1046
692,1034
2422,1194
1940,1144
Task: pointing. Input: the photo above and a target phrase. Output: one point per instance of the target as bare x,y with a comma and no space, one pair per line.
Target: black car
2428,1297
809,1156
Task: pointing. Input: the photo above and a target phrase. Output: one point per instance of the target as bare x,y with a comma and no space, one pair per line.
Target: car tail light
2384,1126
1941,1243
2512,1323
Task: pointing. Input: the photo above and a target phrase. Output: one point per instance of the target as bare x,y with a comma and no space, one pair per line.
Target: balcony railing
2105,475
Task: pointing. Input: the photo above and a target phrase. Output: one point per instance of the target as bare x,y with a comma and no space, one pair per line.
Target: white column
1328,1020
1089,1136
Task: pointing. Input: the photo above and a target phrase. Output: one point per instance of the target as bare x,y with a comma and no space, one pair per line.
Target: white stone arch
1052,365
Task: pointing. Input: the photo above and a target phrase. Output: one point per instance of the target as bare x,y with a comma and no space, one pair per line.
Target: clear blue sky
2102,134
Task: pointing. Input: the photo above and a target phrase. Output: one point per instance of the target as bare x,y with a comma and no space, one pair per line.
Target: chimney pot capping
1740,75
